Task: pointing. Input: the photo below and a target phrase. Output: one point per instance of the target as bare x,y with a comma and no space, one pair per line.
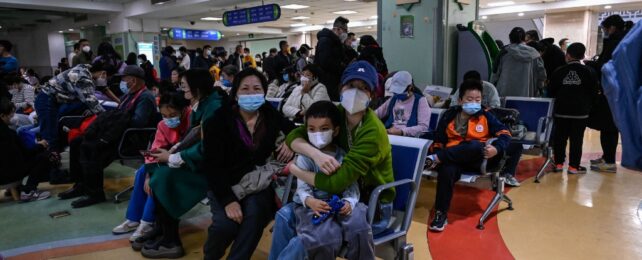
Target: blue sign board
257,14
189,34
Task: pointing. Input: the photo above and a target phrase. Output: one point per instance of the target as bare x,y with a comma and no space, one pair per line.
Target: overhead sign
189,34
257,14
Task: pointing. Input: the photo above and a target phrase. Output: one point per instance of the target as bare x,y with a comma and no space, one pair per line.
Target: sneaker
559,168
431,162
604,167
574,170
34,195
597,161
126,227
169,250
439,222
148,238
143,228
511,181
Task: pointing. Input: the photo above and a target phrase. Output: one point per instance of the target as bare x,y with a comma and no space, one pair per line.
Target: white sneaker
126,227
142,229
34,195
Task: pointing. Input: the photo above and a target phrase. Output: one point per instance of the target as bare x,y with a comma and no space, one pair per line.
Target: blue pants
514,154
141,206
49,112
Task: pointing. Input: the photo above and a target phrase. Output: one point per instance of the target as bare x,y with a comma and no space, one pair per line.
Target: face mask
354,44
226,83
403,96
354,100
343,37
286,77
101,82
178,55
304,80
140,62
320,139
208,52
123,87
172,122
471,108
86,49
251,103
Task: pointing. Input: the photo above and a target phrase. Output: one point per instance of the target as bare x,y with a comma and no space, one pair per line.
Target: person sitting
241,137
407,113
18,161
490,97
368,158
324,240
290,79
460,145
227,77
140,211
97,148
307,93
23,94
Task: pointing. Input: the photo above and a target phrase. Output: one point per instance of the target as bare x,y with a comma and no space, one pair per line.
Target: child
140,212
323,240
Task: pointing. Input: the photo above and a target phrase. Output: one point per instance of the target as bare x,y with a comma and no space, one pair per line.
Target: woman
290,77
108,54
369,49
307,93
407,113
132,59
140,212
178,181
242,136
227,77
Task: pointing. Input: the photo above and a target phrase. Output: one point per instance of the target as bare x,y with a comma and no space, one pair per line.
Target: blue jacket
622,83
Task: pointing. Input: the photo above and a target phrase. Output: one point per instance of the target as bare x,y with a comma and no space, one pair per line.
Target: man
304,53
490,98
520,71
269,65
553,57
8,63
90,154
85,56
185,61
532,36
150,73
330,55
460,145
282,60
73,54
248,60
351,45
574,87
236,58
563,44
204,61
167,63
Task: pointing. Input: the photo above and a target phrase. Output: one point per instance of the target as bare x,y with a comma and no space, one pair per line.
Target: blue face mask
123,87
286,77
251,103
471,108
172,122
226,83
403,96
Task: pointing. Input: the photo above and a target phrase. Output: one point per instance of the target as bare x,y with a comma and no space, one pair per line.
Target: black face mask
360,48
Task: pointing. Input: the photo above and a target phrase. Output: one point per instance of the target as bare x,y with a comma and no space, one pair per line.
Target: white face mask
208,52
86,49
320,139
354,100
343,37
304,80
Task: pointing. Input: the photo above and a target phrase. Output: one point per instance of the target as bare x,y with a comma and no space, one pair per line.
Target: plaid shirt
74,84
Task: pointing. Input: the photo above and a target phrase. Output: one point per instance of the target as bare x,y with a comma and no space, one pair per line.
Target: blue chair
536,114
435,115
275,102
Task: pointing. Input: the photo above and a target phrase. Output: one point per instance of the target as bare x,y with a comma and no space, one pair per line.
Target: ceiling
14,19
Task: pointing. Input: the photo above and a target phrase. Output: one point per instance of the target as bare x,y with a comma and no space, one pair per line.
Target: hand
146,187
394,131
285,154
234,212
161,155
490,151
346,209
44,143
174,148
306,88
317,206
326,163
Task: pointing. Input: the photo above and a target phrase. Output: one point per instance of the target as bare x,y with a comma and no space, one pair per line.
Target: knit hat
360,70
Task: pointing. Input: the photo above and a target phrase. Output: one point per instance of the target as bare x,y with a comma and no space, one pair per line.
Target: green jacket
179,189
369,161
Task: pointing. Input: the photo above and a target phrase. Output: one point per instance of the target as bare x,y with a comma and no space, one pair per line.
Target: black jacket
553,58
150,81
227,159
330,57
269,67
282,61
202,63
236,60
574,87
14,156
374,53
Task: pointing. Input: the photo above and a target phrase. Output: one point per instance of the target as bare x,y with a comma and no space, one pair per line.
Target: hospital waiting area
320,129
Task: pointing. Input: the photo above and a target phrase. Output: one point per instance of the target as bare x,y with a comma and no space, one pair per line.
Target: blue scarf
412,121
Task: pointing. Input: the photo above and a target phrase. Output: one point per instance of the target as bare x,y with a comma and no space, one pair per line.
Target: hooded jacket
330,57
520,71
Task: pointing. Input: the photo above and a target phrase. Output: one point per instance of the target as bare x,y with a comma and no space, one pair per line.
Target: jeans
572,130
141,206
285,243
49,112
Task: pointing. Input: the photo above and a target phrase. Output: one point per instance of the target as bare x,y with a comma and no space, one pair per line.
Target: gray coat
520,73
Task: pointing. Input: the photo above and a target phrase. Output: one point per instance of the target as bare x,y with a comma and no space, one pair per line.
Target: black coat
202,63
282,61
227,158
574,87
553,58
14,156
150,81
330,57
269,66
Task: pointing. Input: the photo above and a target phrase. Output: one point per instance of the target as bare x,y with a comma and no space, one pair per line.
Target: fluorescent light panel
294,6
211,19
300,18
502,3
344,12
297,25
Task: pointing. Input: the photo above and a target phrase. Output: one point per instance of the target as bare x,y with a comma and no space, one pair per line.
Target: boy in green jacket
368,161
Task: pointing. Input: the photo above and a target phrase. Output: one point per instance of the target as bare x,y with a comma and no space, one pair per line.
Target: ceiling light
374,17
294,6
520,14
350,0
70,29
222,35
344,12
237,34
608,7
330,21
300,18
211,19
60,31
369,27
297,25
502,3
484,17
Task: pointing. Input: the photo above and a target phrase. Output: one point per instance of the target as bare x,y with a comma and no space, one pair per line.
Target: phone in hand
146,153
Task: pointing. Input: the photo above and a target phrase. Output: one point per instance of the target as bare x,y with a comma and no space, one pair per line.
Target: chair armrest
374,196
70,122
124,137
484,164
543,127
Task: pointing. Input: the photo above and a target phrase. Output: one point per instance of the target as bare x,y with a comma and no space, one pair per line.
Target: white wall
56,47
500,29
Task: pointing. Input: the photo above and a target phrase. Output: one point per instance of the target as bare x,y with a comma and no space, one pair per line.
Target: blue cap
361,70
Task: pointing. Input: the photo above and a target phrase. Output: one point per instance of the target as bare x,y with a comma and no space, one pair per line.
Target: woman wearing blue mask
227,77
407,112
241,136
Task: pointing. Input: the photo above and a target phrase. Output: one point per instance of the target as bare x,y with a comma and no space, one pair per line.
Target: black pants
572,130
168,225
465,157
38,171
88,159
609,140
258,210
514,154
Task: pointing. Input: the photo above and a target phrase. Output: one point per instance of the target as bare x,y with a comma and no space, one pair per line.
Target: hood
327,33
522,52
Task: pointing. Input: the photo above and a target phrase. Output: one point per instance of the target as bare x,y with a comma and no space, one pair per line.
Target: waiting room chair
435,115
275,102
536,114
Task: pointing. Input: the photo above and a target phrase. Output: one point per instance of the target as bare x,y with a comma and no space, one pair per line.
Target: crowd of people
217,136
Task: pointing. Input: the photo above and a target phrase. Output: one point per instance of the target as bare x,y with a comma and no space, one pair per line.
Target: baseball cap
400,82
133,70
360,70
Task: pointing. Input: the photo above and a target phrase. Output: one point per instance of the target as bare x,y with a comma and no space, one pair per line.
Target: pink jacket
167,137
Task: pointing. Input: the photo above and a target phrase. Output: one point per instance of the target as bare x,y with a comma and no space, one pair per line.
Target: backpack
510,118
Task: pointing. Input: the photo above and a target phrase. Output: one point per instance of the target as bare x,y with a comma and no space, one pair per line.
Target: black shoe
164,250
74,192
439,222
58,176
150,238
87,201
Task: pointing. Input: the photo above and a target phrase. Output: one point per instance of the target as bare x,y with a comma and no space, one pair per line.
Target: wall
500,29
571,25
453,17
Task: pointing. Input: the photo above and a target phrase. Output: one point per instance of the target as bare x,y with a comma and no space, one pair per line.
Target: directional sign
257,14
189,34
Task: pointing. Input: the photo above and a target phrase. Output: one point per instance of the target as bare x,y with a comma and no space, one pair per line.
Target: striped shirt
23,97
